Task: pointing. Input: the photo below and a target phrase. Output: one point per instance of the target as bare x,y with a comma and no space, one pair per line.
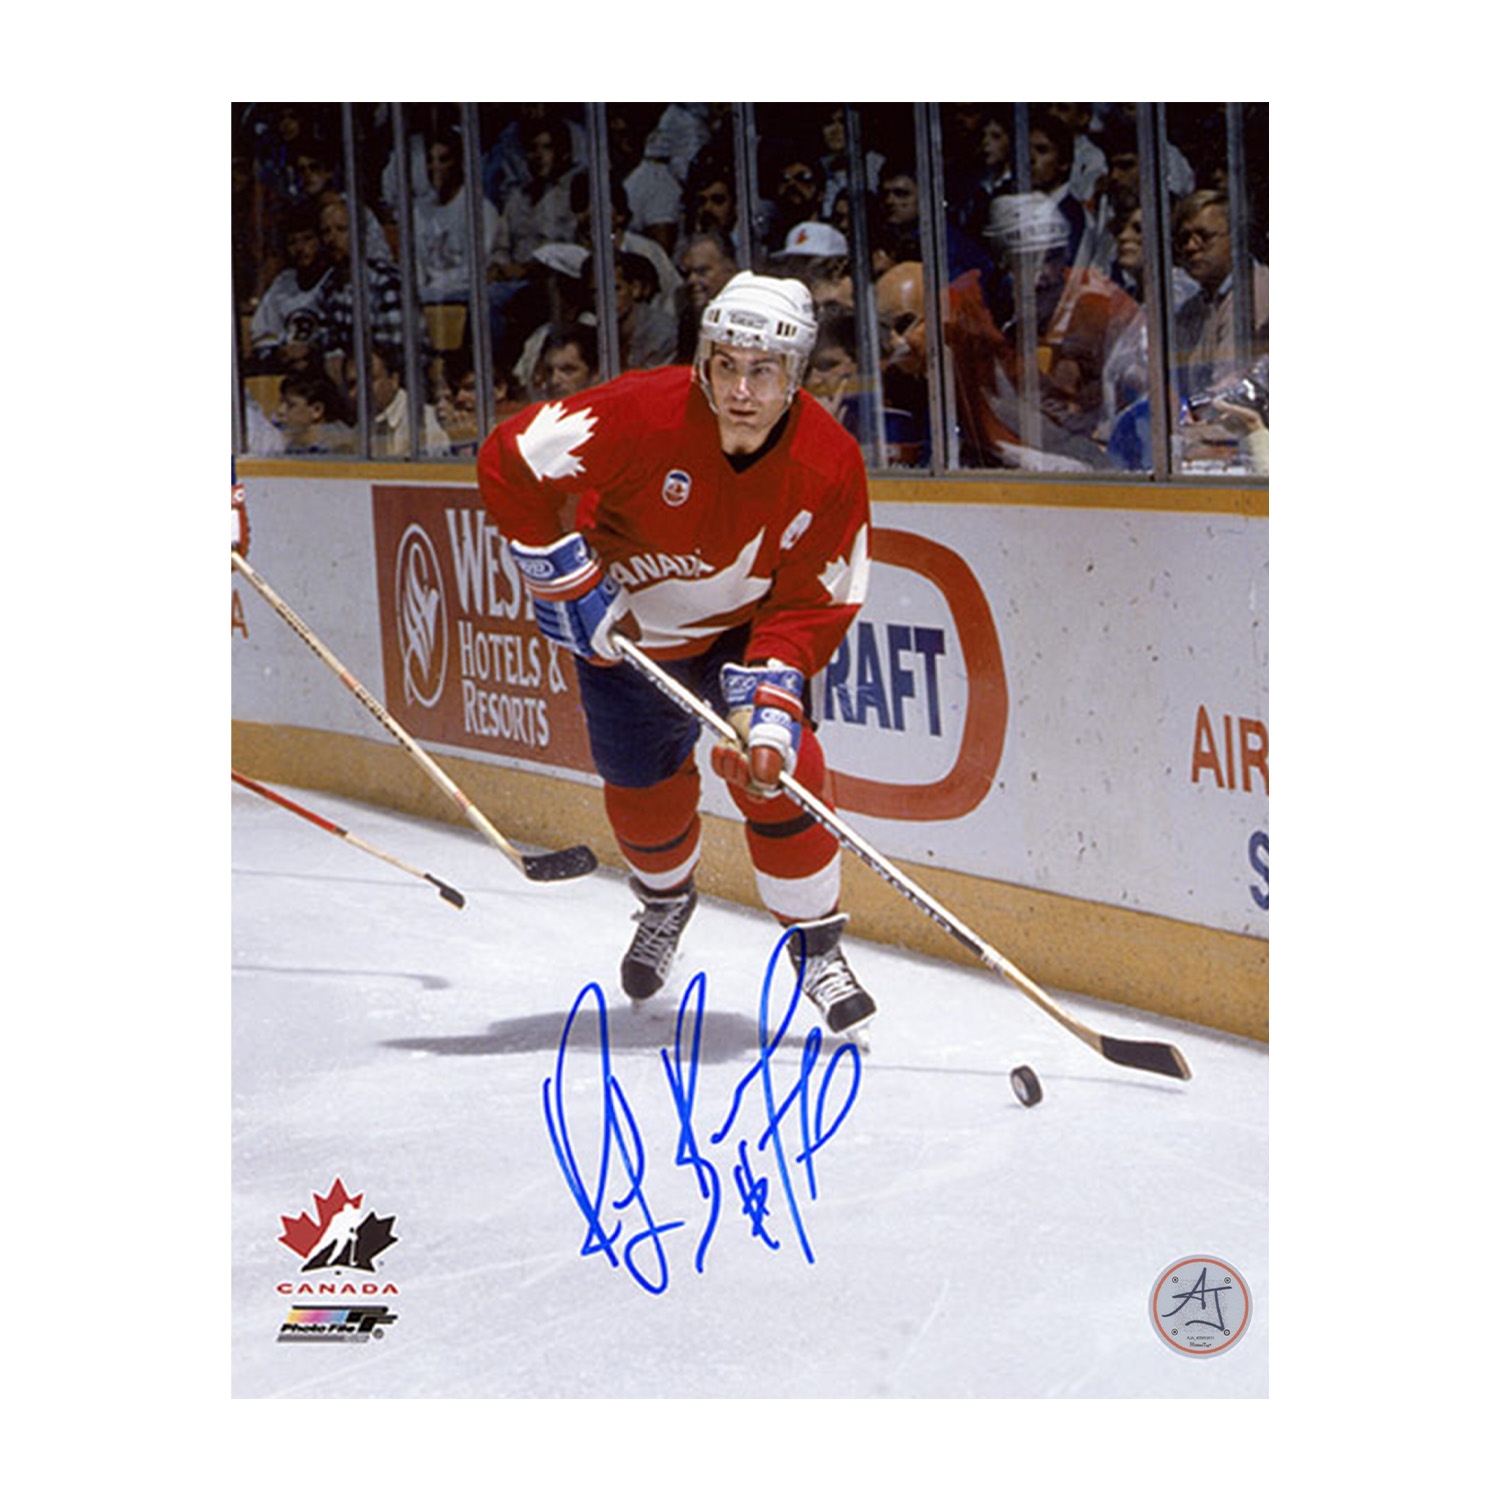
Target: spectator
455,396
647,331
1051,153
1087,160
712,202
900,307
456,399
637,159
1127,236
707,264
1205,324
284,326
626,240
317,173
567,297
334,337
425,123
1127,269
504,166
569,362
796,182
896,235
1079,318
1120,186
310,415
390,408
250,231
897,229
833,374
539,212
440,224
818,256
835,161
991,173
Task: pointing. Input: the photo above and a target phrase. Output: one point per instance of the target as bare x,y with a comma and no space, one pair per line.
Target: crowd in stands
1042,282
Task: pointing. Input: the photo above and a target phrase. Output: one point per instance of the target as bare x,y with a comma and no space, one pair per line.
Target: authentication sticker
1200,1305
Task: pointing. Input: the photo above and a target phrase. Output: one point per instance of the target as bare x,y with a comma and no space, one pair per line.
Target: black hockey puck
1027,1086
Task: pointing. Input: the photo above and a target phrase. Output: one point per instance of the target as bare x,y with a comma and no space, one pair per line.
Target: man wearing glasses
1204,247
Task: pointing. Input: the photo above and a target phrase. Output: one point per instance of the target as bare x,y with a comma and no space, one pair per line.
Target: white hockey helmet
760,312
1022,222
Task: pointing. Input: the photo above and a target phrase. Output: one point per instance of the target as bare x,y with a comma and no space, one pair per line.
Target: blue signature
770,1171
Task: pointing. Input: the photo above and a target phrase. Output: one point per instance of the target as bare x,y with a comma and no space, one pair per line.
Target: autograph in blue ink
772,1164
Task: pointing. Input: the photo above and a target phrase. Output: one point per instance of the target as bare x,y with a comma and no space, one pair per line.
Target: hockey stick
1152,1057
563,864
451,896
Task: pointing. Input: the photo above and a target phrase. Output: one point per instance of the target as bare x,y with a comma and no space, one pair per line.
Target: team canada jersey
700,547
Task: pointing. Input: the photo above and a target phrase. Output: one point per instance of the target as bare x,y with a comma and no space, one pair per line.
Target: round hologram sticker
1200,1306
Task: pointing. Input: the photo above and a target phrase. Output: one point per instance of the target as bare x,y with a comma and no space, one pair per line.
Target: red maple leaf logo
302,1234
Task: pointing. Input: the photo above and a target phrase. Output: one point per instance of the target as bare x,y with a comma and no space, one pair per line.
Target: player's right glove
577,604
765,710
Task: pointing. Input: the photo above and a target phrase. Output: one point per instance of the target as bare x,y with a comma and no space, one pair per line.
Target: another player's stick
1152,1057
563,864
446,891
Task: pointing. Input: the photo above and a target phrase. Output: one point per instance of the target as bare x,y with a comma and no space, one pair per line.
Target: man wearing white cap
817,254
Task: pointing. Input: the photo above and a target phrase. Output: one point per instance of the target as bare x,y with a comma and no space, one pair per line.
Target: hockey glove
577,603
765,708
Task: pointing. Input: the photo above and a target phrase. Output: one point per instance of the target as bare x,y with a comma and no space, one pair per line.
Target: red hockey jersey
699,546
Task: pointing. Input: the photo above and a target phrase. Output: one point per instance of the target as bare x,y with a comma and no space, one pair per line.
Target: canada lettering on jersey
652,567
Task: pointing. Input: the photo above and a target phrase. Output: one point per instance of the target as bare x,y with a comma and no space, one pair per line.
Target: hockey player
722,521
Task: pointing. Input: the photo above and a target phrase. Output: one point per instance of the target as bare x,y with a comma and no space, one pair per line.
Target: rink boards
1053,709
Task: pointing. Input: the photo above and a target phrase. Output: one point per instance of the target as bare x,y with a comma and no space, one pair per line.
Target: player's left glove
765,708
577,604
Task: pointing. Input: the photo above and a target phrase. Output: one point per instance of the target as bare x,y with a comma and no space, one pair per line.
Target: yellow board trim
1196,974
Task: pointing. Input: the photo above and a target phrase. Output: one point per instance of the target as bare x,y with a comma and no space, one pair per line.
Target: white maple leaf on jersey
551,441
847,579
675,611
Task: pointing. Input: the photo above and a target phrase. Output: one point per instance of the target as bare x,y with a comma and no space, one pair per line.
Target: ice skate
827,979
660,924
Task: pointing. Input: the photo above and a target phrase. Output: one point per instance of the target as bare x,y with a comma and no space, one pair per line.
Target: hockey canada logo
676,487
338,1249
421,618
1200,1305
341,1235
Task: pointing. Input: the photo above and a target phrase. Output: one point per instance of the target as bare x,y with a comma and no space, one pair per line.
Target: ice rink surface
940,1240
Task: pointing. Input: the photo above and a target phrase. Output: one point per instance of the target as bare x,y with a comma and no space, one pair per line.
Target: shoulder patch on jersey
550,441
793,533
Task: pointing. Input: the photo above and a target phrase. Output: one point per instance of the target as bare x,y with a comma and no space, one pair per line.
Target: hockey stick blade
1151,1057
446,891
562,864
452,897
